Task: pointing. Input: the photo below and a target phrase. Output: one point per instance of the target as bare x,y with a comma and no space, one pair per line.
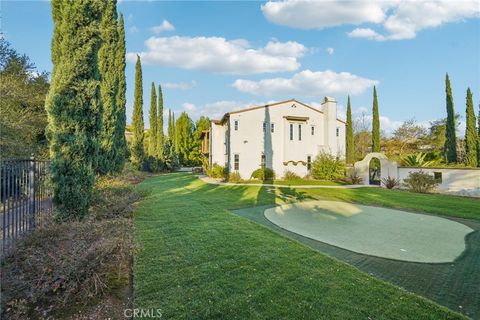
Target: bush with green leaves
234,177
327,167
354,178
421,182
390,182
263,174
218,172
290,176
418,160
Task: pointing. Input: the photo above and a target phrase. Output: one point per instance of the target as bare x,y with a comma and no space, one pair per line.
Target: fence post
31,194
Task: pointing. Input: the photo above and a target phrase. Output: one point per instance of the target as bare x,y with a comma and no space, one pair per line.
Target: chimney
329,108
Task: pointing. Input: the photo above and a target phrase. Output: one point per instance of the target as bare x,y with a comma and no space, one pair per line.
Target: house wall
249,141
218,153
456,181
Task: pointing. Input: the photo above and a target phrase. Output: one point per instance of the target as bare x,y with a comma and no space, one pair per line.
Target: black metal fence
26,198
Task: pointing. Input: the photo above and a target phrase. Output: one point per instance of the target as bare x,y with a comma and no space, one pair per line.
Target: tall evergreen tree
108,87
74,104
175,134
170,126
471,135
160,139
120,141
349,143
478,136
450,133
375,123
137,151
184,138
152,143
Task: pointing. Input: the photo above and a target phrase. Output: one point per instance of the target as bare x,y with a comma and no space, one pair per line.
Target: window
309,162
272,127
291,131
299,132
264,127
236,125
313,130
263,161
236,162
438,177
338,132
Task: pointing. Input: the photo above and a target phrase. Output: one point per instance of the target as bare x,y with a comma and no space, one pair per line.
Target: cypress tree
74,104
450,133
152,143
120,141
174,131
478,138
108,87
170,126
137,151
375,123
349,143
471,136
159,151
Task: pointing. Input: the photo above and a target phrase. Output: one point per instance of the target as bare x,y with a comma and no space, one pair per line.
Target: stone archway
386,168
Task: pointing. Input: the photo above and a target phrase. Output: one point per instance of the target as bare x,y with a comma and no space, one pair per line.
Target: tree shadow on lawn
454,285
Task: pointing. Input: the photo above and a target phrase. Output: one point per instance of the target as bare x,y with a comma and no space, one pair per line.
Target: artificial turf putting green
380,232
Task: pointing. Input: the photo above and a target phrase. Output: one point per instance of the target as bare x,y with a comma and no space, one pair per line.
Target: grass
201,261
296,182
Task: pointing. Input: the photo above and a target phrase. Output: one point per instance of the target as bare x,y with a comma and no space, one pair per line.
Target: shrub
390,182
263,174
234,177
418,160
217,172
420,181
290,175
354,178
327,167
72,264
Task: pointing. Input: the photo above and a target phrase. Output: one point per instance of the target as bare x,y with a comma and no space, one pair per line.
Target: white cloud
314,14
307,84
134,29
330,51
365,33
220,55
180,85
216,109
400,19
164,26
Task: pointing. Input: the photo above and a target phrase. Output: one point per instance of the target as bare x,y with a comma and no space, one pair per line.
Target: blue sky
217,56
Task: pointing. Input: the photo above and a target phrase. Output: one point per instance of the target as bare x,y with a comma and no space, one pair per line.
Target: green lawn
200,261
298,182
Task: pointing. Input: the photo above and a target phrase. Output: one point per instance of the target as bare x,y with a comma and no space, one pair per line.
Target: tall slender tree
160,142
119,137
137,150
349,142
184,137
375,123
471,135
175,134
170,126
108,87
478,135
450,133
152,143
74,104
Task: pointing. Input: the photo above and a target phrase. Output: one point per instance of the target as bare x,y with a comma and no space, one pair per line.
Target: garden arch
387,168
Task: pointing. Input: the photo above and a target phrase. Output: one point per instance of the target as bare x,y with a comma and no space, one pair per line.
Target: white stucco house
283,136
